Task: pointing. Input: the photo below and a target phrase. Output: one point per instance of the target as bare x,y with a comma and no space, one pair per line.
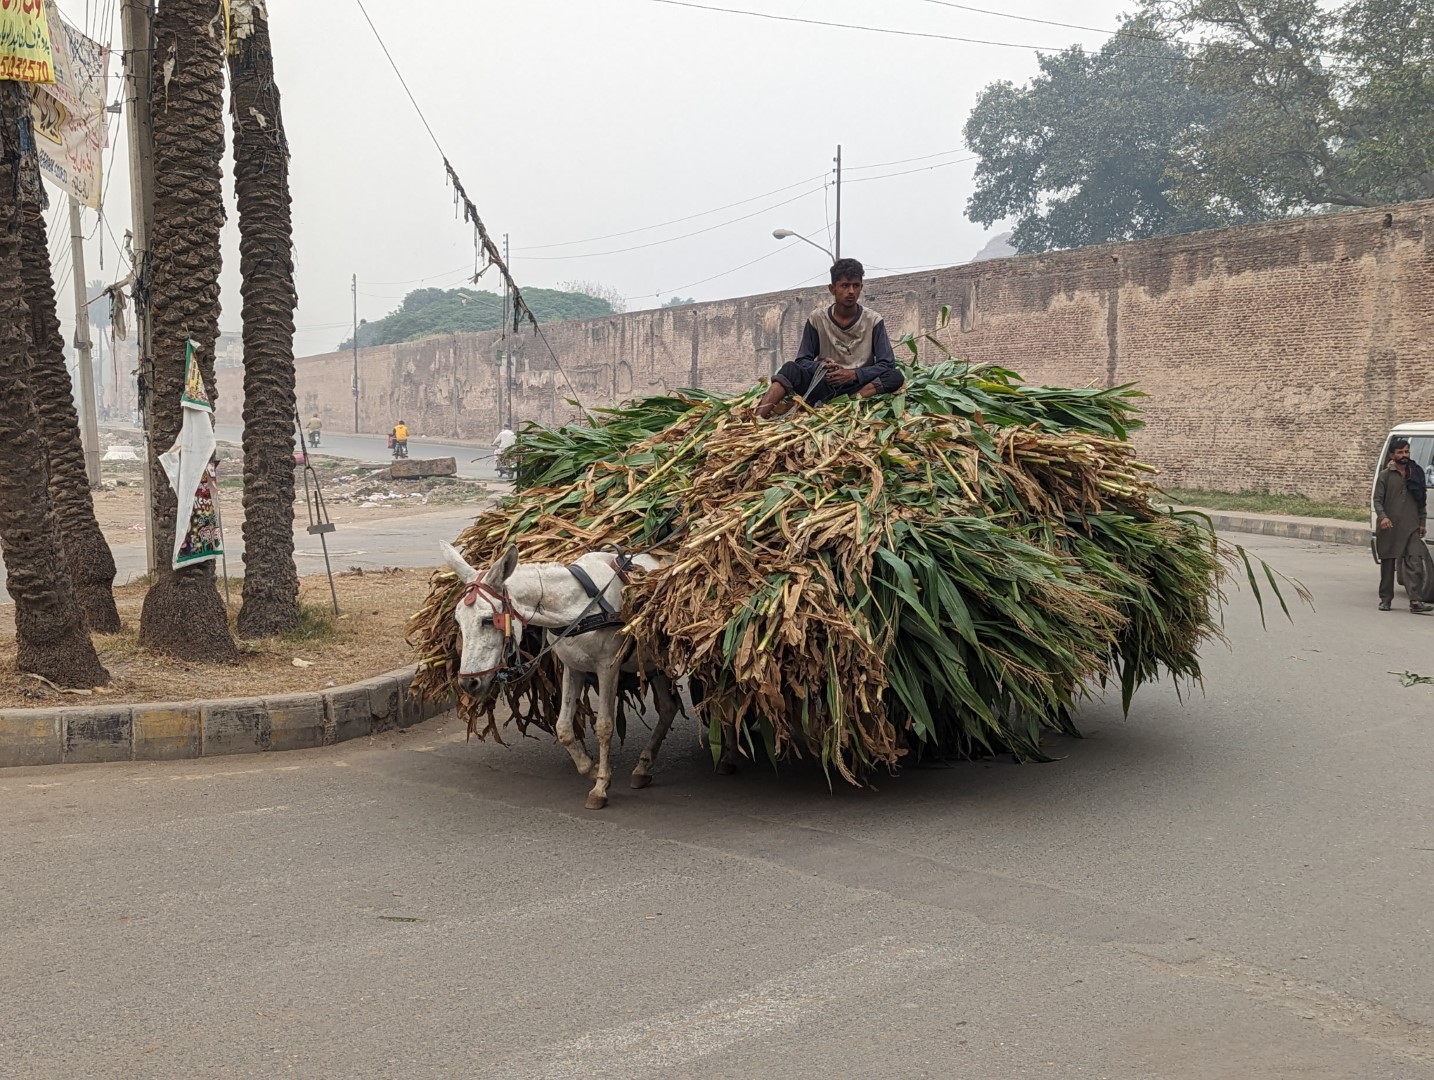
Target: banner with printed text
25,52
69,114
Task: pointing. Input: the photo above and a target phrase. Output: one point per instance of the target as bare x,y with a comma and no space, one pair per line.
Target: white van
1420,434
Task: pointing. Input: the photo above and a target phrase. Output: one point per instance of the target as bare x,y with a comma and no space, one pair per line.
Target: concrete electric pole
505,370
89,424
136,21
838,202
356,396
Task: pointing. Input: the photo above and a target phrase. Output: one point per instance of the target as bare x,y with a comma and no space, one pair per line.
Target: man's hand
1385,523
838,375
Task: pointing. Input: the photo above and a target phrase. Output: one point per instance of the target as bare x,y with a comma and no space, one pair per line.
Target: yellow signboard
25,52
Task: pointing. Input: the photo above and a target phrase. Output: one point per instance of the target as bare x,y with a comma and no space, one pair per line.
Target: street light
783,234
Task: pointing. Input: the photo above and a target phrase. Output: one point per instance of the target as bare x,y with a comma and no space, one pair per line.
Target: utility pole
136,21
356,399
838,201
507,371
89,425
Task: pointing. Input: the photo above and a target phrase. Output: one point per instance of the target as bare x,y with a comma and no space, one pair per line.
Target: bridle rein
505,619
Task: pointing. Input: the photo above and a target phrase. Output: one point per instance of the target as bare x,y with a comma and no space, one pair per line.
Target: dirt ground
351,493
365,639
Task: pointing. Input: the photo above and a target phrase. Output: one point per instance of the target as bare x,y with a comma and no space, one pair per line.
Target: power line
470,212
675,221
908,172
670,239
1021,18
855,26
932,36
724,273
902,161
430,277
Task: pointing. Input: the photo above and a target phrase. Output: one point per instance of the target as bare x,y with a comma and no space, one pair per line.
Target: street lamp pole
785,234
838,203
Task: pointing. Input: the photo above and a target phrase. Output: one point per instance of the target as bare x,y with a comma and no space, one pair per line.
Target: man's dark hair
1399,444
847,270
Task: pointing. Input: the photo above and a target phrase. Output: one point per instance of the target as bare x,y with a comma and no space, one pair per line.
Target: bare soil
352,493
365,639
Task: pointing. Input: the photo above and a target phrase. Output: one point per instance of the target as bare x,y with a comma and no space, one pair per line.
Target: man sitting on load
845,350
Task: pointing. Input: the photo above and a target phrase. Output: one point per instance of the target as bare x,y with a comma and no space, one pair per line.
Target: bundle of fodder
947,570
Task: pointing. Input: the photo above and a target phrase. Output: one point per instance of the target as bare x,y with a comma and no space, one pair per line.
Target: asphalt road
373,449
1236,886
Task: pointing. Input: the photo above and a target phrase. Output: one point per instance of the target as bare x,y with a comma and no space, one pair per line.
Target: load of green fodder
948,569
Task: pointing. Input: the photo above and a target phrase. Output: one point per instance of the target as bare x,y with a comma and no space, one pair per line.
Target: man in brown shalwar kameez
1399,505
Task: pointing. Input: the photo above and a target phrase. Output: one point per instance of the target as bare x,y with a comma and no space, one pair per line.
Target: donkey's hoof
596,802
641,780
725,768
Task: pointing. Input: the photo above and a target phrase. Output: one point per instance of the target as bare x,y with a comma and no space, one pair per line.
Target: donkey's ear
503,569
458,564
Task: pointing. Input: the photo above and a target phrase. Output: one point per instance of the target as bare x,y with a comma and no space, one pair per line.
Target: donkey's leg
572,694
666,699
603,726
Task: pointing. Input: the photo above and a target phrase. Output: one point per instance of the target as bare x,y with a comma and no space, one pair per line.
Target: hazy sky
576,119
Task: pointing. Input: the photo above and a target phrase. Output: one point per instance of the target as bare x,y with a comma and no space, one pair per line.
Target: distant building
229,351
998,247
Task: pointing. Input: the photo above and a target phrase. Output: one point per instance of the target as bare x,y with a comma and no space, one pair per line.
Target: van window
1421,449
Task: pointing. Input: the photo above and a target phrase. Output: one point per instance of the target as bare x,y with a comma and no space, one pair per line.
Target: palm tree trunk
91,565
50,635
261,182
183,614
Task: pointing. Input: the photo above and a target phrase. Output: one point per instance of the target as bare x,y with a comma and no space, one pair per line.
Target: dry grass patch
365,639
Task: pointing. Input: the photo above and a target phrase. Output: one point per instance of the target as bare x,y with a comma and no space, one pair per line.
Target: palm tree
50,635
261,182
91,564
183,614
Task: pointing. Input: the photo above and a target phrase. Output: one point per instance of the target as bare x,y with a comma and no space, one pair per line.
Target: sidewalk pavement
1322,530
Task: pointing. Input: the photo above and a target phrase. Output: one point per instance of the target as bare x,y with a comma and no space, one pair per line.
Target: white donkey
491,614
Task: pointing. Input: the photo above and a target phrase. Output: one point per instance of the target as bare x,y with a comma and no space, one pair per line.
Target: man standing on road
845,350
1400,500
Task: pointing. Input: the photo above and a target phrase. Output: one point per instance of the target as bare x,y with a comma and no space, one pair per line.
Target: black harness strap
605,616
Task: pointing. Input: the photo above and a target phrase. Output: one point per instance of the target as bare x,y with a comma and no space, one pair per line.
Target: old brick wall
1275,357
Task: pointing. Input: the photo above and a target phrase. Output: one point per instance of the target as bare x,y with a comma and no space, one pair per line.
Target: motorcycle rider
400,439
502,442
315,426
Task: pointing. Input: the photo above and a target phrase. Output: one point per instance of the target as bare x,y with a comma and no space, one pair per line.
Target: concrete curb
169,731
1322,530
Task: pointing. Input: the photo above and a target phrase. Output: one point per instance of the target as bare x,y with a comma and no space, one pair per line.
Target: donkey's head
489,627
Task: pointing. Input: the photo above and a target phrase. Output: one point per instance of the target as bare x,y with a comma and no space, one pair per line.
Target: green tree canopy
425,312
1080,155
1206,113
1336,106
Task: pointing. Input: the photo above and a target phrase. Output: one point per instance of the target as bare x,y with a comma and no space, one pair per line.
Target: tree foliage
1336,107
678,301
1207,113
425,312
1081,154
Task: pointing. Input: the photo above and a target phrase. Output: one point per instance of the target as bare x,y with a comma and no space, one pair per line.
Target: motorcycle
399,447
314,439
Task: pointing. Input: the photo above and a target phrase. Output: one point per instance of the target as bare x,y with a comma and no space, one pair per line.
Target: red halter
503,620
